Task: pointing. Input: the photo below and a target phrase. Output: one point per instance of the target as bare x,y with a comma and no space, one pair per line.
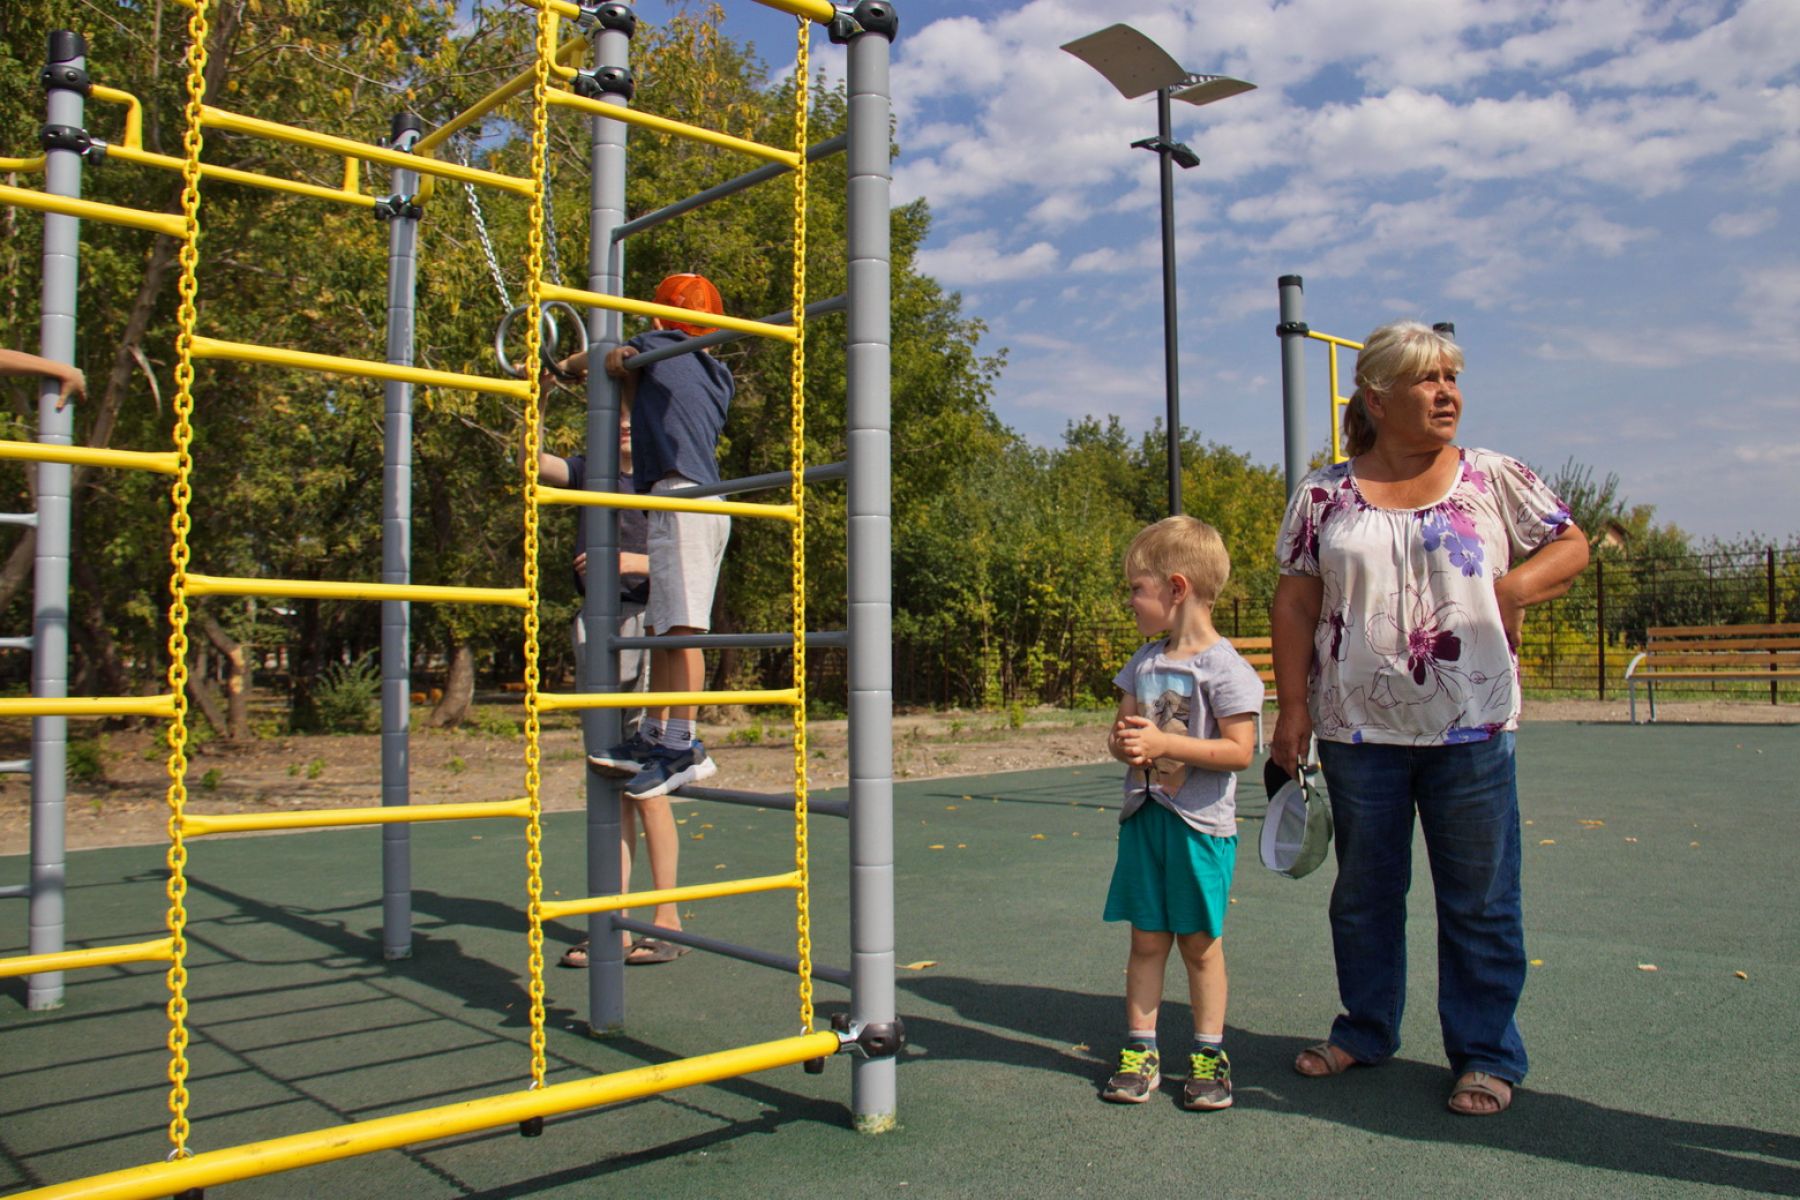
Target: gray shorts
634,665
686,550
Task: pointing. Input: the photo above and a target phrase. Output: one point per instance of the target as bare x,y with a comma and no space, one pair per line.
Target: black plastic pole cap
614,15
1294,280
66,46
878,16
405,123
1447,328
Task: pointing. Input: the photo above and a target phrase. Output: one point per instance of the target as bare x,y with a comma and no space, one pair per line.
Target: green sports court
1665,990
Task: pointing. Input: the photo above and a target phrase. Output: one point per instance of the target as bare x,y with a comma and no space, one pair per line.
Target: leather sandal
1337,1060
1482,1083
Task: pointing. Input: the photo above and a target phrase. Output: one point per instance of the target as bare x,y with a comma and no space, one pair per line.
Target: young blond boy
1186,723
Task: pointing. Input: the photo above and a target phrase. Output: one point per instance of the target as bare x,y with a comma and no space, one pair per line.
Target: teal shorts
1170,877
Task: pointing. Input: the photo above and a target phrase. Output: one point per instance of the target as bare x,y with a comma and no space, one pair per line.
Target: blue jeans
1468,804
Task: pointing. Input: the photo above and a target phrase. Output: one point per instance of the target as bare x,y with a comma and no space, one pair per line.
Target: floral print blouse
1410,649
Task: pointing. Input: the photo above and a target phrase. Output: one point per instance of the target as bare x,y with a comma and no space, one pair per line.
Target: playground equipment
602,94
1294,332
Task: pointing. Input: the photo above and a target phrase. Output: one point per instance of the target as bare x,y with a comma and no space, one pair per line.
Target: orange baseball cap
695,292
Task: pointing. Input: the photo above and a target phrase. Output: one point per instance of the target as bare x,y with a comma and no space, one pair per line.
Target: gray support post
396,550
1165,132
873,1090
66,77
616,22
1293,331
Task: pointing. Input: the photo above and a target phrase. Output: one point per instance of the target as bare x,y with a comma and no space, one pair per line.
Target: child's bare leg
686,671
663,845
627,847
1144,977
1204,958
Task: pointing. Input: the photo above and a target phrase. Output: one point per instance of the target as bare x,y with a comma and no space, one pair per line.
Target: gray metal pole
1292,330
874,1100
396,553
616,22
66,76
1171,332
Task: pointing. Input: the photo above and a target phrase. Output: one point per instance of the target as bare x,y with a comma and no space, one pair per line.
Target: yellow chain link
797,464
181,494
534,270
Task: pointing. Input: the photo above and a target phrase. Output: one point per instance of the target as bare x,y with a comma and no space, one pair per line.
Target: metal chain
550,221
797,464
487,243
534,333
180,524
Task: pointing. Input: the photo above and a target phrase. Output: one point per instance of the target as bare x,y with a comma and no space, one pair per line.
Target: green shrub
345,694
87,760
495,723
315,768
210,780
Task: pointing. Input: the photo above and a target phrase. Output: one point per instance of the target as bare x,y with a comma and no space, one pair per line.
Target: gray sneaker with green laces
1209,1086
1139,1074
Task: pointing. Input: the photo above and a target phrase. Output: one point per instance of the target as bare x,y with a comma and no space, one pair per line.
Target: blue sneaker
626,758
666,769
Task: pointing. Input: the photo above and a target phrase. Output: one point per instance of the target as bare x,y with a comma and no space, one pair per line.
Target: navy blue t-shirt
634,532
680,409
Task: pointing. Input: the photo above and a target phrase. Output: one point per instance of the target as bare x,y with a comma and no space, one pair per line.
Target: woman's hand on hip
1512,609
1293,733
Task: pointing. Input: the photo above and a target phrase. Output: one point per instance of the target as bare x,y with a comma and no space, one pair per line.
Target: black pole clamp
868,16
876,1039
605,81
398,206
71,137
611,14
1287,327
61,77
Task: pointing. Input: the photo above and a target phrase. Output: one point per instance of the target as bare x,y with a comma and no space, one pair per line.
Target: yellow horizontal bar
1335,341
134,115
163,462
631,116
347,195
112,214
201,824
666,502
552,910
232,122
561,8
668,312
30,165
494,99
821,11
332,364
567,701
161,950
328,589
339,1142
87,706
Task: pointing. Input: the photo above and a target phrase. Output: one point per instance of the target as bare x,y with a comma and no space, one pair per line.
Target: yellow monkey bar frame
160,950
552,909
334,364
1339,401
92,210
201,824
325,589
162,462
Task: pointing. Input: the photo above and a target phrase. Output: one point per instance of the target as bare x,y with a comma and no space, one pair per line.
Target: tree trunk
237,691
459,689
100,652
201,693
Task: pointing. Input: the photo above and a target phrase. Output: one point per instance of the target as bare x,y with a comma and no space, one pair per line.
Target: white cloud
1744,224
976,258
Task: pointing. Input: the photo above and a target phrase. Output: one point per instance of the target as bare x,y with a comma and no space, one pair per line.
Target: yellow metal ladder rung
324,589
568,701
201,824
633,116
669,312
218,118
556,909
298,187
332,364
666,502
161,950
88,706
162,462
169,223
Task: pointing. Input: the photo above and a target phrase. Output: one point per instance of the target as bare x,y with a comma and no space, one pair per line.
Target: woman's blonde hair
1391,356
1185,546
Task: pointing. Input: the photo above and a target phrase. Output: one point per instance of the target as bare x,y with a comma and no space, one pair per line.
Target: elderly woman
1405,573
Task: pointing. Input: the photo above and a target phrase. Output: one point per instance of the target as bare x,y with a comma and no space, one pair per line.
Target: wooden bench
1714,654
1259,652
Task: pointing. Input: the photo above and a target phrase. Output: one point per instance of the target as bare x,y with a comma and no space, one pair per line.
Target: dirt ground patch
126,804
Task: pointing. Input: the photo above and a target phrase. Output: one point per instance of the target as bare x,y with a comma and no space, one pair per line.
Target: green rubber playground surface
1667,847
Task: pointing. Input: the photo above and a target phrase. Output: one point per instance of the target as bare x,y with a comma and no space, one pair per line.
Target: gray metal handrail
730,187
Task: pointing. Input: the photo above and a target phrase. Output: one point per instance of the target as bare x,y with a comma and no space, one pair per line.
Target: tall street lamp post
1136,66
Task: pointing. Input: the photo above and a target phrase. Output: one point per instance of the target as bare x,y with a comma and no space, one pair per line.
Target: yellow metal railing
162,462
326,589
554,909
667,502
569,701
698,133
668,312
821,11
1339,401
92,210
201,824
88,706
333,364
161,950
28,166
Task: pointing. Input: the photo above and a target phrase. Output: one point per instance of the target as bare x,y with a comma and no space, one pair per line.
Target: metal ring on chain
550,336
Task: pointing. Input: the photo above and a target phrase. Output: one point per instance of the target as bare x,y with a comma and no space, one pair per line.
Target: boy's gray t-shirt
1188,696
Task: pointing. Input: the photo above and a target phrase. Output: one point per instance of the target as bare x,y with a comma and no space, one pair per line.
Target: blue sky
1599,193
